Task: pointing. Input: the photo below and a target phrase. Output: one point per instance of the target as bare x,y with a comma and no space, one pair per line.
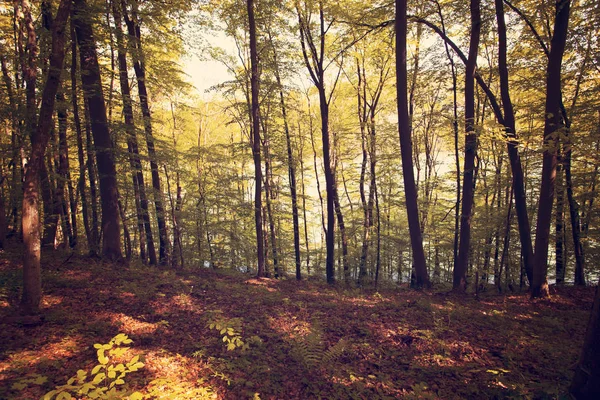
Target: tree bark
132,143
513,154
92,88
412,208
552,127
32,286
460,269
256,142
137,52
291,165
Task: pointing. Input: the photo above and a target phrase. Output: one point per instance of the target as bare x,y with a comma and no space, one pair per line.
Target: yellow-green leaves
105,377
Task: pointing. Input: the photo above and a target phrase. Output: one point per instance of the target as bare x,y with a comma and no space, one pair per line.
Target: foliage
231,329
106,381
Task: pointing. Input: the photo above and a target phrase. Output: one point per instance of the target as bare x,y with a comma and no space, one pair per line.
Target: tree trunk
256,143
32,286
410,189
139,67
80,155
552,128
460,269
132,143
513,153
559,244
92,88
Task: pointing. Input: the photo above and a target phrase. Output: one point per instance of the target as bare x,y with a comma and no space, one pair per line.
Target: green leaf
18,386
112,374
119,382
40,380
96,369
136,396
99,378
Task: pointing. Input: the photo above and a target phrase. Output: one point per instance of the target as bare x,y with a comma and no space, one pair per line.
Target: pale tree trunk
92,89
32,285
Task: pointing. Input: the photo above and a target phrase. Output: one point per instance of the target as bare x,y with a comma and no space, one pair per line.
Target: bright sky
205,73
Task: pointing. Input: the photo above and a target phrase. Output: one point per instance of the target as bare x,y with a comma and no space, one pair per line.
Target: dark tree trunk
132,145
92,88
291,165
586,381
139,67
256,143
80,155
412,208
460,269
32,285
513,154
552,128
559,244
575,219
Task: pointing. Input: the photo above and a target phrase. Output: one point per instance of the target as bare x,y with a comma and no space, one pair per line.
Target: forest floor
292,340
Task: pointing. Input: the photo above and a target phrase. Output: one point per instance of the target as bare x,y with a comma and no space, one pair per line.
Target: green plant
313,352
231,329
107,380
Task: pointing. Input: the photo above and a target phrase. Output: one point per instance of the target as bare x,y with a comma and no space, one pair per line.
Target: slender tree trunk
139,67
575,219
80,155
552,128
32,285
132,144
64,177
560,222
92,88
91,169
256,143
410,189
306,243
460,269
291,164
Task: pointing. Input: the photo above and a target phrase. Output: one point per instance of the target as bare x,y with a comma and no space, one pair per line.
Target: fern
314,353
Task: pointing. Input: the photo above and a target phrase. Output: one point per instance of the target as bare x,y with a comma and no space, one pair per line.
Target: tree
32,287
552,128
410,190
93,93
256,141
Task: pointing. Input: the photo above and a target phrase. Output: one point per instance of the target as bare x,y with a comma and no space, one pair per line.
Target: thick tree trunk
460,269
410,189
552,128
256,143
32,287
132,145
92,88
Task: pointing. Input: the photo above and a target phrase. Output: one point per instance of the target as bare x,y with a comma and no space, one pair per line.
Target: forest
228,199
